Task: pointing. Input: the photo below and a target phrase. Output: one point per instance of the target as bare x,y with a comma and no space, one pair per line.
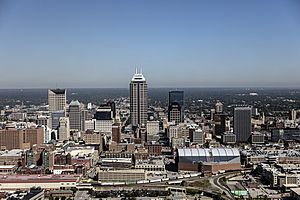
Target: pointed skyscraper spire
138,99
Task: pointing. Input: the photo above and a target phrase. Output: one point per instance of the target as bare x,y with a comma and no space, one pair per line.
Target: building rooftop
138,76
242,108
37,178
296,190
26,195
13,152
216,152
271,152
117,160
150,162
58,91
125,171
7,166
75,103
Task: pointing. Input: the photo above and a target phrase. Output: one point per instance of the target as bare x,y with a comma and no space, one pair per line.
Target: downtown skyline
73,44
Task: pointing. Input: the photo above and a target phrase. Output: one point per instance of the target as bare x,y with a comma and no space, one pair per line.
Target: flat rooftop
296,190
37,178
13,152
7,166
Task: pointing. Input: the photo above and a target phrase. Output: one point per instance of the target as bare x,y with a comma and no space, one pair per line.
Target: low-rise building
151,166
177,142
257,138
33,194
285,134
153,149
116,163
270,156
92,137
12,157
130,175
129,147
25,182
7,169
228,138
279,175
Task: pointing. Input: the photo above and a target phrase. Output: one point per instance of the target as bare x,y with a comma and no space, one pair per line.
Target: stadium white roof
215,152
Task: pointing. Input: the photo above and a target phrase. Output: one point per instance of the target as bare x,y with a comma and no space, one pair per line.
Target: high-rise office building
64,129
175,113
113,108
11,138
138,100
116,133
242,123
103,120
220,123
198,137
55,117
57,99
84,116
176,98
219,107
75,112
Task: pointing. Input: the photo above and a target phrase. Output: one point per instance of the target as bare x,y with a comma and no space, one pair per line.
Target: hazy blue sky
177,43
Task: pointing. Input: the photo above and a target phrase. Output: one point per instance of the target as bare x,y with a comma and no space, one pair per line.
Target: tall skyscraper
75,111
103,120
242,123
116,133
57,99
175,113
64,129
113,108
219,107
220,123
55,117
138,100
176,97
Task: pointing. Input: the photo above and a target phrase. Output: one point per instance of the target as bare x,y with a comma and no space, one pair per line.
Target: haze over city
95,44
149,99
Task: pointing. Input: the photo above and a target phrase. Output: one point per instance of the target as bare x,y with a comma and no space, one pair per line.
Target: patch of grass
200,184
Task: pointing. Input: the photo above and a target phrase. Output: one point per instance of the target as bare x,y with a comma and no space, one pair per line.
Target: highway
215,181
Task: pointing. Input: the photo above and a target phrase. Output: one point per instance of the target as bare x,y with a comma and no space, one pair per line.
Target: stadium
208,161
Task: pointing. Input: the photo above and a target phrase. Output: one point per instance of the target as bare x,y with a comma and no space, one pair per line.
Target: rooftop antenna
141,70
136,70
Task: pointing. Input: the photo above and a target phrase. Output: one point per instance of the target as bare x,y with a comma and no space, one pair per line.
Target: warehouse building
208,161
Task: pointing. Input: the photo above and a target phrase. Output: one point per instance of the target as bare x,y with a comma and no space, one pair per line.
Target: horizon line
189,87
